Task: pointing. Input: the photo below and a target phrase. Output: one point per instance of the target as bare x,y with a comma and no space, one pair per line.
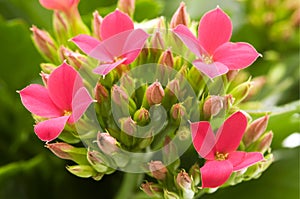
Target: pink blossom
63,100
62,5
220,150
216,54
120,42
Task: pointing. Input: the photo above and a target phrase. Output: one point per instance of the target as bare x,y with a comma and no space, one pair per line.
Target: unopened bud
183,133
44,43
142,116
195,173
213,105
127,6
170,195
61,150
96,160
231,75
179,17
157,41
128,125
166,58
155,93
107,143
118,95
255,130
158,170
74,58
48,68
177,111
96,24
184,181
83,171
61,27
174,87
240,92
128,83
265,142
101,93
151,189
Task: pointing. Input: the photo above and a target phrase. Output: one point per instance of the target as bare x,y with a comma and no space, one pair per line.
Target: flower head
63,100
216,54
220,150
62,5
120,42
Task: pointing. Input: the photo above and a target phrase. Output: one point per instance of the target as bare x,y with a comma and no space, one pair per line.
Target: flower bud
158,170
166,58
195,173
101,93
265,142
231,74
183,133
213,105
240,92
174,87
155,93
170,195
61,150
151,189
128,125
96,24
44,43
157,41
83,171
61,27
142,116
255,130
177,111
107,143
118,95
179,17
48,68
127,6
127,83
97,161
75,59
184,181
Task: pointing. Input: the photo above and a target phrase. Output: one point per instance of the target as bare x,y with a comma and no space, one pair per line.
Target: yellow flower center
67,113
221,156
207,59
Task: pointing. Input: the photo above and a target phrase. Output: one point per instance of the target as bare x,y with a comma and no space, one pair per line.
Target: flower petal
214,29
247,159
85,42
104,69
231,132
80,103
203,139
134,44
50,129
211,70
36,99
236,55
63,5
115,23
62,84
215,173
188,39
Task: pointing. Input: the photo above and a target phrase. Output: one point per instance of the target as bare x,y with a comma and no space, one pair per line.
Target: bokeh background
29,171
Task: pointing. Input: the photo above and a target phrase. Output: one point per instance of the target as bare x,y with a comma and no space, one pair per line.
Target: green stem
129,184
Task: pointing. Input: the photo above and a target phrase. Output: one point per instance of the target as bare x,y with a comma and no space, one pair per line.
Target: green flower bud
184,182
166,58
83,171
101,93
151,189
179,17
155,93
97,161
240,92
73,58
142,116
195,173
170,195
265,142
177,112
48,67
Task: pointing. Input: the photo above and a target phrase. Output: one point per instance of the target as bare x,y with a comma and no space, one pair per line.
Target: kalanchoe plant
131,100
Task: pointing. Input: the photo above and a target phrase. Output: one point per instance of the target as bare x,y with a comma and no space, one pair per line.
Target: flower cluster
134,97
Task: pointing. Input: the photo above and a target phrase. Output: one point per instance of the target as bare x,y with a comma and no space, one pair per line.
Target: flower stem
129,184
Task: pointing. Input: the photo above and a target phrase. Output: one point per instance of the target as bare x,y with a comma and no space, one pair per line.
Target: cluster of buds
152,91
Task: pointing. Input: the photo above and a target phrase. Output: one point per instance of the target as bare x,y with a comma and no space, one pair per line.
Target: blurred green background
29,170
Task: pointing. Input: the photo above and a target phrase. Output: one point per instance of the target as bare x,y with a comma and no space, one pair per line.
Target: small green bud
177,112
170,195
195,173
240,92
142,116
83,171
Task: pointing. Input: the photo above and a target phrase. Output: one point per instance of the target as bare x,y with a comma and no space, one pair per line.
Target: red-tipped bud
75,59
213,105
177,111
96,24
151,189
174,87
180,16
61,150
101,93
157,41
61,27
48,68
44,43
128,125
184,181
255,130
107,143
167,59
97,161
155,93
158,170
265,142
118,95
142,116
127,6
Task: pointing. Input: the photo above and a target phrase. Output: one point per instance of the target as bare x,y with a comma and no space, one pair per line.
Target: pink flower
63,5
216,55
220,150
120,42
63,100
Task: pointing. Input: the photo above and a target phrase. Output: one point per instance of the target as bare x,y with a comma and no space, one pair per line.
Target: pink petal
248,159
85,42
115,23
62,84
36,99
80,103
188,39
203,139
231,132
50,129
211,70
134,44
111,48
104,69
214,29
215,173
236,55
63,5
